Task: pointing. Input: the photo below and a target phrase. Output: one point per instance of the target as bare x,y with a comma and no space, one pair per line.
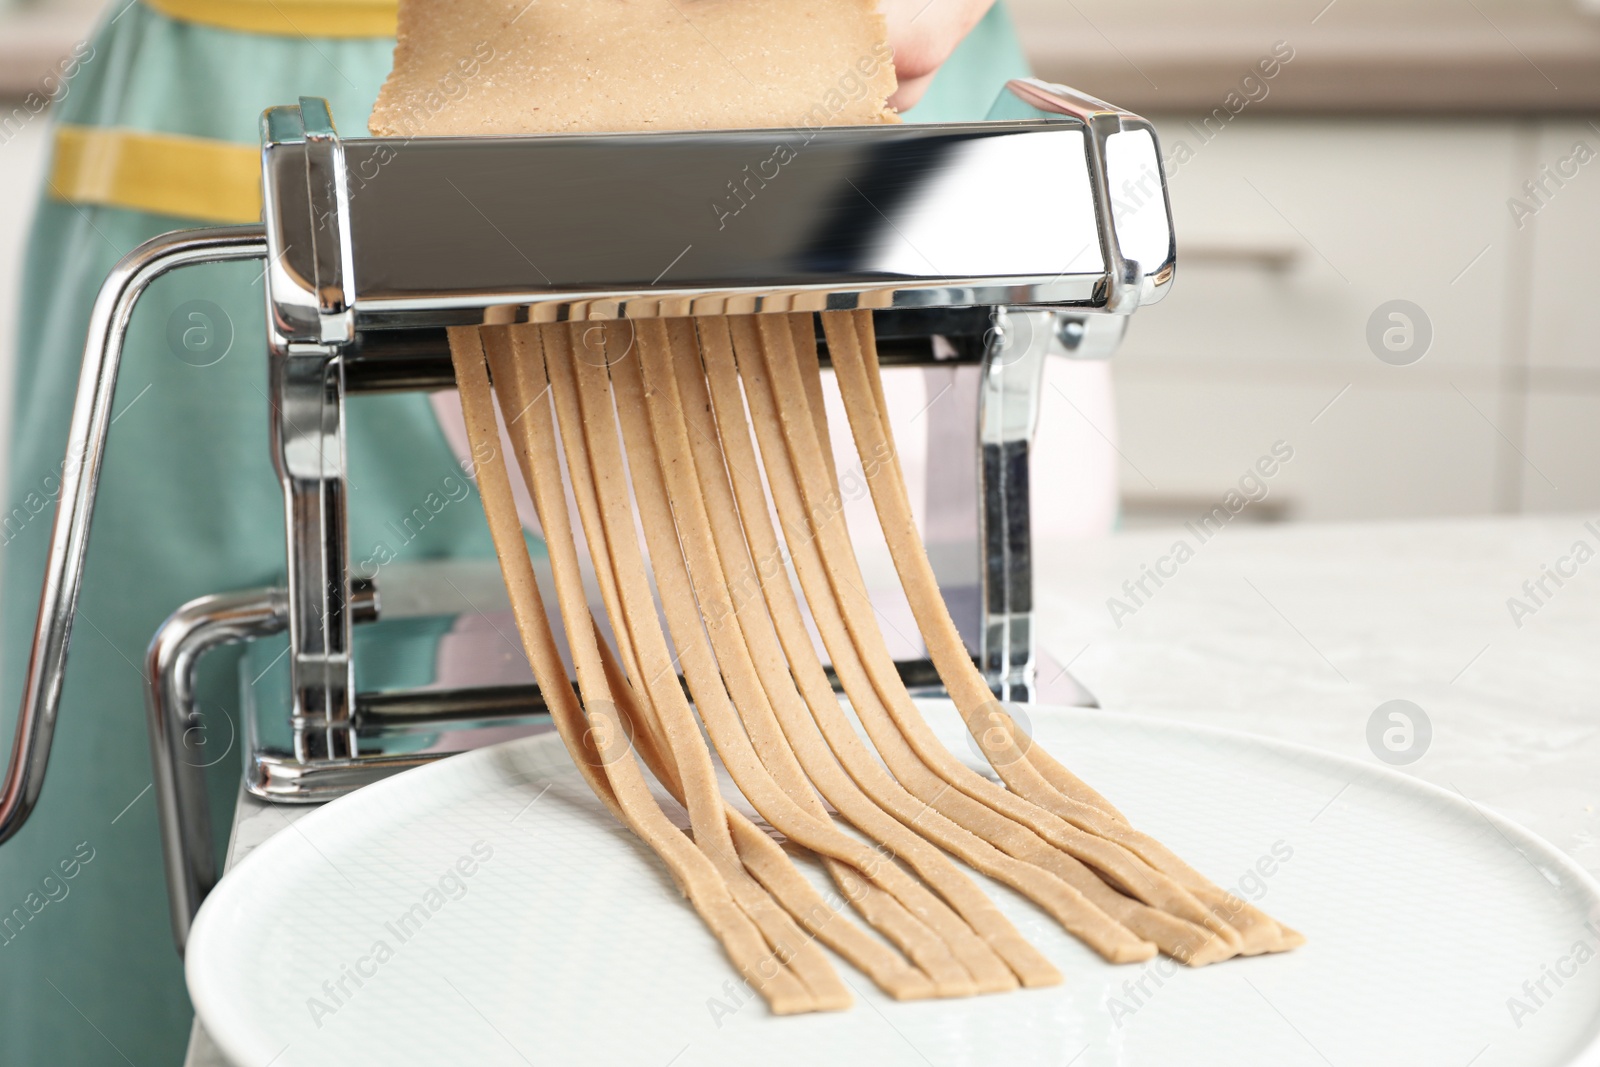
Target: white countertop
1301,632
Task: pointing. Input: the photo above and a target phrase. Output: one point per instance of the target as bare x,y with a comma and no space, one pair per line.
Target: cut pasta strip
677,405
659,682
535,446
634,410
924,804
758,676
1012,756
786,942
1179,939
593,734
821,501
761,854
1054,788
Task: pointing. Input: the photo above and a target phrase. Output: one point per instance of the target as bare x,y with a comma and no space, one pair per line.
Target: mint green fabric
966,86
189,505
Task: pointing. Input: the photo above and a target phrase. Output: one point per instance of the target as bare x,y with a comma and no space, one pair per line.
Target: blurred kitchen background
1386,157
1383,162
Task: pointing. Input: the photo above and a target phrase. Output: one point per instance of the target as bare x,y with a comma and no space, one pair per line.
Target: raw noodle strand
761,855
1012,756
694,874
822,506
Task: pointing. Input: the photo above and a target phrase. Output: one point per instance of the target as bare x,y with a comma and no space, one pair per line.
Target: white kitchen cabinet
1561,471
1561,386
1291,233
1378,451
1564,317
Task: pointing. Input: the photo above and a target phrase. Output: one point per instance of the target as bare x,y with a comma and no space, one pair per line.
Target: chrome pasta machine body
991,244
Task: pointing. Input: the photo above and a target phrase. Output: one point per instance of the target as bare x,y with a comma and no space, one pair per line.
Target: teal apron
189,505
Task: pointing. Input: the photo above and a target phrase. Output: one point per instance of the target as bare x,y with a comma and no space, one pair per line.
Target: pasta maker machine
989,244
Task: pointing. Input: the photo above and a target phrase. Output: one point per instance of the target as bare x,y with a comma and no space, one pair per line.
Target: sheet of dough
583,66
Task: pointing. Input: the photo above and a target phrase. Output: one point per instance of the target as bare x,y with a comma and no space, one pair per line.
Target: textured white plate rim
211,1010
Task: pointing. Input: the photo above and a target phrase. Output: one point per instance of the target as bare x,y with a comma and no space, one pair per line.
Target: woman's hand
923,33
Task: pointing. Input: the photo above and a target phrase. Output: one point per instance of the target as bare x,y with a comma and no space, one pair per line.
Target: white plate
1425,914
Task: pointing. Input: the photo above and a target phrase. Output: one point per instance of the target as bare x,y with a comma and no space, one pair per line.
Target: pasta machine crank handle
80,477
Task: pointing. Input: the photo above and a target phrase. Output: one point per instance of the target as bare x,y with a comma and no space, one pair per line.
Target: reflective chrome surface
305,212
1008,412
182,803
308,450
906,215
1129,186
1060,202
1089,337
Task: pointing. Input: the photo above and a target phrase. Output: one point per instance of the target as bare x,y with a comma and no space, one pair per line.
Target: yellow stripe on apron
289,18
162,173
